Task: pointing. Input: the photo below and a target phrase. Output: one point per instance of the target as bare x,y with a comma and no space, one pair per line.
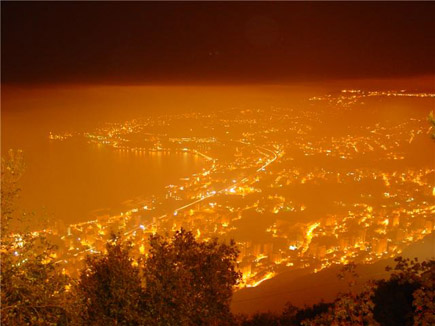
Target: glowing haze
299,129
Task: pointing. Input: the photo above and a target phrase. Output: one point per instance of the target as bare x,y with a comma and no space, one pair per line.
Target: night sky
212,42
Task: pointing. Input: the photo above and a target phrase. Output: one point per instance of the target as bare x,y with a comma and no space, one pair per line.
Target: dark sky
214,42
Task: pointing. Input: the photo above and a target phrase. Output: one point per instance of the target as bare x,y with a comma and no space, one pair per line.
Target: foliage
190,282
393,303
12,168
33,289
424,297
291,316
349,308
407,298
260,319
294,316
417,282
109,290
181,282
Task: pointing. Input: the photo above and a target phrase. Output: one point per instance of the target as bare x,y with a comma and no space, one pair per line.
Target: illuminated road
275,156
202,199
212,193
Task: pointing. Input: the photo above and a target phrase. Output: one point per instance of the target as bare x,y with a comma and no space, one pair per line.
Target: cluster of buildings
295,187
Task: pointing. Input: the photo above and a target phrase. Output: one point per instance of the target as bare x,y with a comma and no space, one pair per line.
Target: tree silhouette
190,282
12,168
109,290
33,289
407,298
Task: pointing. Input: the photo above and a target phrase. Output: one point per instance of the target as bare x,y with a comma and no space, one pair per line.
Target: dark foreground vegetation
180,281
406,298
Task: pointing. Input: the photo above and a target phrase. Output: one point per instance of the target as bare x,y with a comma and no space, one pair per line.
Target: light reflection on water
72,180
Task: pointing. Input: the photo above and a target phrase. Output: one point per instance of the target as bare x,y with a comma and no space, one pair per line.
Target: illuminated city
164,169
255,162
